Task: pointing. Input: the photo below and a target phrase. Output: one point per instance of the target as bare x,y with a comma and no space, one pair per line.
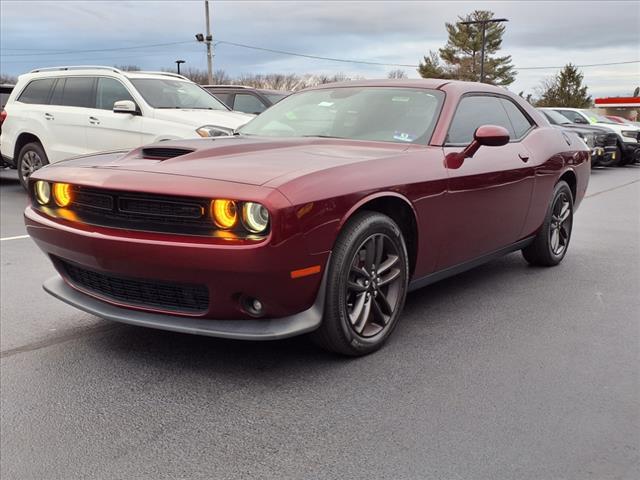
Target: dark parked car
602,141
318,216
246,99
5,91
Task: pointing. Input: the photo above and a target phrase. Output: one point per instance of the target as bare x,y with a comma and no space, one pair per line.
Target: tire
367,237
31,158
551,243
609,162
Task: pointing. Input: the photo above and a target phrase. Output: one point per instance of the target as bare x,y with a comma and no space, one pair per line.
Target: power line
97,50
316,57
582,66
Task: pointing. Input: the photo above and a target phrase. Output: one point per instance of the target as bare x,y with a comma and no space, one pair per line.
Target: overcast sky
541,33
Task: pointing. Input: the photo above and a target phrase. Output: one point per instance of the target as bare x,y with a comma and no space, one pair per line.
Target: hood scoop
163,153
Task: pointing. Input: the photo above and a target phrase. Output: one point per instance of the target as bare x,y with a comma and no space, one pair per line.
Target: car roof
429,83
65,71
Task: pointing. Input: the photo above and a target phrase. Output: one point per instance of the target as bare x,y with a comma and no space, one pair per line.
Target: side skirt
463,267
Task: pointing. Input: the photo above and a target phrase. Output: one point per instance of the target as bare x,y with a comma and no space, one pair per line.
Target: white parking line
17,237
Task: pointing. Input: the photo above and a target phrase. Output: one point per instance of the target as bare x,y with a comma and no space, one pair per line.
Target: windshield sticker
290,115
404,137
400,99
325,104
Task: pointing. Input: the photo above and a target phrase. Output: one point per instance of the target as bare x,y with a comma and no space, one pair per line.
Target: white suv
628,145
62,112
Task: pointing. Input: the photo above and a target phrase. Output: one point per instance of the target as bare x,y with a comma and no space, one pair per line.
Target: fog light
43,192
252,306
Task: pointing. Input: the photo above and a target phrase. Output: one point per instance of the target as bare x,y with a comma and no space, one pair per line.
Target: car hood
198,117
585,128
240,159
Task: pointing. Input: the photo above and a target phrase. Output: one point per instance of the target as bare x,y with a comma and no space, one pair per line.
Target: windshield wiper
319,136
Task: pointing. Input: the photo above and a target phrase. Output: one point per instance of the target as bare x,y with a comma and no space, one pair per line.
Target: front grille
174,297
140,211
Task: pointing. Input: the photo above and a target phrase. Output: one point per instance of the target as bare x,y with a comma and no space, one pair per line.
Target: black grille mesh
176,297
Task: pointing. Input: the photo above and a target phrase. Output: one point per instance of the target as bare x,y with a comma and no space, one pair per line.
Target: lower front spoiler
254,329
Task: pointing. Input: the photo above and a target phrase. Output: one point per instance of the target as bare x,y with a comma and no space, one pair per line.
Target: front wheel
31,158
366,286
552,240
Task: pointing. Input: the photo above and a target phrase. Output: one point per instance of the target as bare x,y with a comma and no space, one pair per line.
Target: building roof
618,102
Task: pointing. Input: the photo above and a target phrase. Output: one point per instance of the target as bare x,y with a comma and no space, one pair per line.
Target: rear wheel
366,286
552,241
30,159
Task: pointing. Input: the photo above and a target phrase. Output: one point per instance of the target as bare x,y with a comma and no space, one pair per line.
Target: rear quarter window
37,91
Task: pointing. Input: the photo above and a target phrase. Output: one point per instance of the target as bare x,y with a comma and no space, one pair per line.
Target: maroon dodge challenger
316,217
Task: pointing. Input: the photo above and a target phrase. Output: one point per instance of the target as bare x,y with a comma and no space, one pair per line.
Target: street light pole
208,39
483,24
178,62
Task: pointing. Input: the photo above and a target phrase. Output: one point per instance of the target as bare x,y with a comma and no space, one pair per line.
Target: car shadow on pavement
425,311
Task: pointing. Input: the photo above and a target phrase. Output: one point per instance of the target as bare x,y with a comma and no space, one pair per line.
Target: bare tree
10,79
398,73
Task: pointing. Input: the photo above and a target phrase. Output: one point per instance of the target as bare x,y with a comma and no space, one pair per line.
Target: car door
66,114
107,130
488,196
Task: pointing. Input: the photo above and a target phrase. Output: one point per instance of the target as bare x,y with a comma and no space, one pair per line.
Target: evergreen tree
460,58
565,90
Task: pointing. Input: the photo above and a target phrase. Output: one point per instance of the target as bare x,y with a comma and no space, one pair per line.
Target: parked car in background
246,99
61,112
628,147
5,91
617,119
318,216
602,141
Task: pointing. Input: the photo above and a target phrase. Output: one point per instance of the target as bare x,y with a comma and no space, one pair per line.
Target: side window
78,92
521,124
58,89
224,97
245,102
37,92
473,112
571,115
110,91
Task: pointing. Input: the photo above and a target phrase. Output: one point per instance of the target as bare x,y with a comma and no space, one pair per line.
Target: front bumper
260,270
256,329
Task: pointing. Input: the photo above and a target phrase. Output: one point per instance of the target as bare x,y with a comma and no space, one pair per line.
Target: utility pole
178,62
483,24
208,40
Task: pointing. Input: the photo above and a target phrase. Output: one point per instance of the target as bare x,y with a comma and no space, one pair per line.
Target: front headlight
214,131
42,191
255,217
588,138
630,134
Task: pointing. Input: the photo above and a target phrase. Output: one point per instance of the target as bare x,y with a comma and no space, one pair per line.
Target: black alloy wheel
552,240
366,285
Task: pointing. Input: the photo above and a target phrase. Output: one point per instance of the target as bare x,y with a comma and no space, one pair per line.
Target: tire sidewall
376,223
561,187
35,147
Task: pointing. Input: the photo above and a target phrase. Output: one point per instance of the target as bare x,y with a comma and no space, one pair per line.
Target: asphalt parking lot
505,372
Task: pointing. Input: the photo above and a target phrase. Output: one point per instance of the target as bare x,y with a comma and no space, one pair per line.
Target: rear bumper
267,329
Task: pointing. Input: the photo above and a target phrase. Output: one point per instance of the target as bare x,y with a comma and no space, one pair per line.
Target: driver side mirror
125,106
486,135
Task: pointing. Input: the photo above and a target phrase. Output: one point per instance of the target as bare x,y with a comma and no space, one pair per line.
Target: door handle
524,157
94,121
48,116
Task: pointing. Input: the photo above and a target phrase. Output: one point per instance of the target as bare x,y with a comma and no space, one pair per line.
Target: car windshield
594,117
166,93
402,115
556,118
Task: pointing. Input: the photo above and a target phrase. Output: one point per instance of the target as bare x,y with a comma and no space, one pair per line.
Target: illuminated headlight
62,194
255,217
630,134
42,191
214,131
